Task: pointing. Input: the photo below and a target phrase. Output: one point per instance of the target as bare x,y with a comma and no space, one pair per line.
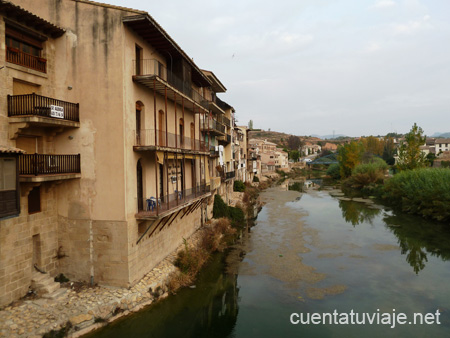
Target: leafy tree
409,154
388,150
293,142
349,155
294,155
373,145
250,124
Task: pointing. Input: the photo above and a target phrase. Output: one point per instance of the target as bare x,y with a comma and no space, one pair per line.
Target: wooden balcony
151,139
212,126
20,58
229,175
155,76
37,110
175,202
226,139
43,167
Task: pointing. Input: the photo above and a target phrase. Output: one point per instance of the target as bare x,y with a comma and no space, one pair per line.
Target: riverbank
83,308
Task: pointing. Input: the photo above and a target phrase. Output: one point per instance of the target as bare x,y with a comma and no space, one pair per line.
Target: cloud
383,4
412,27
372,47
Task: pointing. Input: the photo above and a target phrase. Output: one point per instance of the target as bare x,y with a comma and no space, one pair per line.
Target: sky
305,67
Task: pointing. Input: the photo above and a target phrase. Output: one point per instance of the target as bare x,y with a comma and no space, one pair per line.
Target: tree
409,154
349,156
294,155
293,142
250,124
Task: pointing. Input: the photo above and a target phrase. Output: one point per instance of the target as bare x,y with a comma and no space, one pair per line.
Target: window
23,46
24,49
9,194
34,200
7,174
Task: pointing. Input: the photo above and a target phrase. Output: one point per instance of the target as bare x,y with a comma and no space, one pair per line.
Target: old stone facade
105,125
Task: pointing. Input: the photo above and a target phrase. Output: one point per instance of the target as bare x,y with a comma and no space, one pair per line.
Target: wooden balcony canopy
145,26
18,14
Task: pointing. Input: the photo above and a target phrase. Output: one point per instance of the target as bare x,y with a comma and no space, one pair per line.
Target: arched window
139,131
192,136
181,132
161,128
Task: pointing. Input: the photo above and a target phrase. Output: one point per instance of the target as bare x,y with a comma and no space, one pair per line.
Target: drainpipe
91,243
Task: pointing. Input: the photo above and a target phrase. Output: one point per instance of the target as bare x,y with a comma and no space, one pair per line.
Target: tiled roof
10,150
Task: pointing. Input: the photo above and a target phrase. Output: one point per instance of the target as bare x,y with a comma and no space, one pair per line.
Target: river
312,253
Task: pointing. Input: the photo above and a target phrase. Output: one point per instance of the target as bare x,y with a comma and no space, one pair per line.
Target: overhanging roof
145,26
28,19
217,86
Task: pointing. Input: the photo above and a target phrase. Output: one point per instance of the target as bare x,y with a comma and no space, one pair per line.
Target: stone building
104,159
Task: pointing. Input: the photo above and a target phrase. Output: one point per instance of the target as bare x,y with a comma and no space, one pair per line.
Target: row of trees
409,153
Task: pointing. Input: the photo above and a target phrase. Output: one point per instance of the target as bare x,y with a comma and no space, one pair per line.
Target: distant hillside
278,138
442,135
330,137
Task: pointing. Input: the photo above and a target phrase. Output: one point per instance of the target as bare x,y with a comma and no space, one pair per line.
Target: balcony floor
166,210
48,177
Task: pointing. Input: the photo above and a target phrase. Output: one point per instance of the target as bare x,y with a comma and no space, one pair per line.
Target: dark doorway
140,189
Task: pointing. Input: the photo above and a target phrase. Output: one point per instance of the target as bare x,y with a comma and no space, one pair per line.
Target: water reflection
417,238
209,310
357,213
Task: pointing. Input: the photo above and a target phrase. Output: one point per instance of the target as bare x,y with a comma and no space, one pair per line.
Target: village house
310,149
108,136
441,145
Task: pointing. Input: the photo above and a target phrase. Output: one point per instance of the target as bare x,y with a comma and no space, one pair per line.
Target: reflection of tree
417,238
357,213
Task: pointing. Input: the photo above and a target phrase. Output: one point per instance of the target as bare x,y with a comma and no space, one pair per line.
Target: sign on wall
56,111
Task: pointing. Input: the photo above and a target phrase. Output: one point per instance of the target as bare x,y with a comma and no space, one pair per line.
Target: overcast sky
355,67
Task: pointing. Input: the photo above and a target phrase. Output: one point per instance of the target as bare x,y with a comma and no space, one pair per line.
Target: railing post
35,164
34,103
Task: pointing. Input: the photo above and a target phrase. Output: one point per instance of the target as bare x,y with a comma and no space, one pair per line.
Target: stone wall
24,236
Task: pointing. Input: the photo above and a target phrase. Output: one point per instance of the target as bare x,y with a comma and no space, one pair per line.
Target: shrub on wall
239,186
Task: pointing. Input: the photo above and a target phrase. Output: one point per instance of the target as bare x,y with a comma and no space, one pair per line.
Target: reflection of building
111,114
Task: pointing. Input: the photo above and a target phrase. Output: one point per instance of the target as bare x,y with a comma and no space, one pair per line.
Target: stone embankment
81,310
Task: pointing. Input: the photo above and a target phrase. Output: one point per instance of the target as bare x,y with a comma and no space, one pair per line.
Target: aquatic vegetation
425,192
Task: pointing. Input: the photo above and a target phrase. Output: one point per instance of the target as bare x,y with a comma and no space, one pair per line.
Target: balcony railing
213,151
211,124
20,58
40,164
34,104
152,137
230,175
166,203
225,138
152,67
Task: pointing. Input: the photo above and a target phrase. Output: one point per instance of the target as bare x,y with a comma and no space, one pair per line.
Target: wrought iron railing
42,164
149,67
211,124
34,104
152,137
20,58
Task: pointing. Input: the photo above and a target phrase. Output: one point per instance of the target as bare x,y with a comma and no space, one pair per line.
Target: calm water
312,253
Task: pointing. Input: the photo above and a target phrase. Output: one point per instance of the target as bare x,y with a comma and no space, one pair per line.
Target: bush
334,171
255,179
220,208
237,216
239,186
424,191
